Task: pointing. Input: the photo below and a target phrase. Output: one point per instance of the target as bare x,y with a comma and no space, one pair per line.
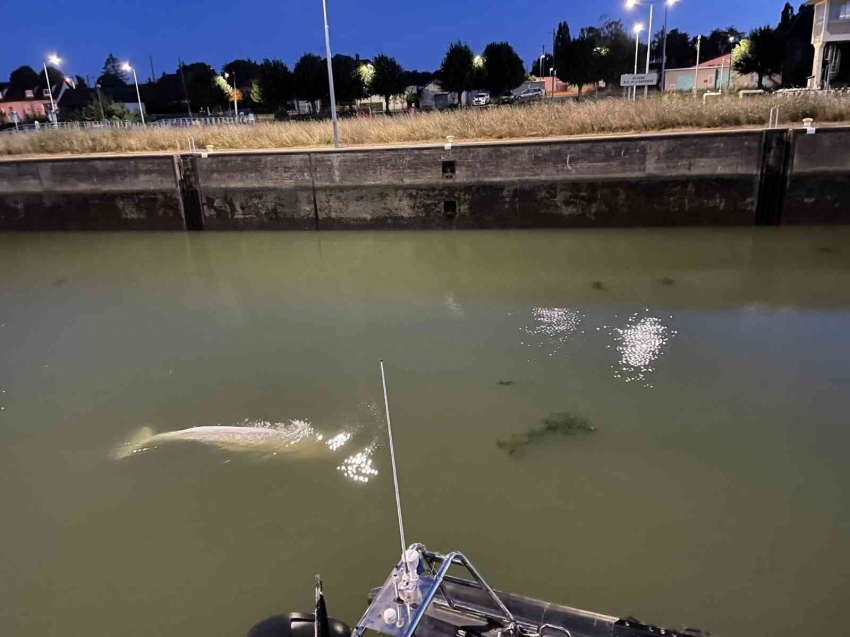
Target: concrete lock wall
817,186
714,178
139,192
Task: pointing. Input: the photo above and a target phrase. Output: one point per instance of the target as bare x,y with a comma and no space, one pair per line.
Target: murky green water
714,365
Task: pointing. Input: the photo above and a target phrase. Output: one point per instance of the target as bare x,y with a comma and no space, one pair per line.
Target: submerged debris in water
826,250
597,285
560,423
666,281
506,383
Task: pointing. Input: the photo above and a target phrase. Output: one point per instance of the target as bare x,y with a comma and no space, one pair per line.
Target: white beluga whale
263,437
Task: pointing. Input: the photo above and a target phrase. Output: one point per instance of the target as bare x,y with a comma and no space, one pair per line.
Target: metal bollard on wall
774,118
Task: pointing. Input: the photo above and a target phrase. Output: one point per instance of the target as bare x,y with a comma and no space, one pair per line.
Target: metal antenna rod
392,456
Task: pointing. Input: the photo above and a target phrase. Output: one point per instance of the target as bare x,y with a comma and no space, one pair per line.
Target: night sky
414,32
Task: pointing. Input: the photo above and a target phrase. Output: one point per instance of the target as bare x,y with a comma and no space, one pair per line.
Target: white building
831,39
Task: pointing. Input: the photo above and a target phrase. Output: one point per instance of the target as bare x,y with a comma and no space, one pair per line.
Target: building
26,104
831,39
713,75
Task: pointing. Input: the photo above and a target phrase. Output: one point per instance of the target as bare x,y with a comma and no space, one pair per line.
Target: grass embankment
547,119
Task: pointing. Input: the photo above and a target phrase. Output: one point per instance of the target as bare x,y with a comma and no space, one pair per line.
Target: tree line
595,55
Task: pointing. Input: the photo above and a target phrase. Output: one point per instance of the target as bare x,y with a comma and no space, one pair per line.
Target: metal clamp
408,615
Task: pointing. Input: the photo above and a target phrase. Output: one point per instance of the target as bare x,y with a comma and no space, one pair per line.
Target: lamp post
100,101
638,28
732,41
667,4
330,74
542,59
54,61
126,67
235,95
696,68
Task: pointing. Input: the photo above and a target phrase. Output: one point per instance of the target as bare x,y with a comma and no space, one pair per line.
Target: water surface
713,364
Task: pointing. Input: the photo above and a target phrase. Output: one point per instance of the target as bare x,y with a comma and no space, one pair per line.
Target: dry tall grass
544,120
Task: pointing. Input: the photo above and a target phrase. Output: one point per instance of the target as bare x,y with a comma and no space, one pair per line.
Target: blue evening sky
415,32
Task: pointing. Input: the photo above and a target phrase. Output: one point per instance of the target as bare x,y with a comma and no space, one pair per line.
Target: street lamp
54,61
126,67
630,4
330,74
637,29
235,95
732,42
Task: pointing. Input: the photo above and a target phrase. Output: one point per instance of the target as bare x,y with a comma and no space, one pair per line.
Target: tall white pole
139,97
664,53
50,93
235,98
696,68
637,48
648,50
330,74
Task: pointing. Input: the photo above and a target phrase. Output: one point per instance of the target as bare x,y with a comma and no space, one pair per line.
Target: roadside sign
639,79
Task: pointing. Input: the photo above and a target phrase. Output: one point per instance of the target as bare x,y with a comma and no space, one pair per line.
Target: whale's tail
135,443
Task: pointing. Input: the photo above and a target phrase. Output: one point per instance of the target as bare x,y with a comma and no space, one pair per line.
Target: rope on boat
392,457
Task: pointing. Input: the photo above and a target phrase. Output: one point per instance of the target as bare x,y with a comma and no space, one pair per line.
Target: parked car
531,94
507,97
481,99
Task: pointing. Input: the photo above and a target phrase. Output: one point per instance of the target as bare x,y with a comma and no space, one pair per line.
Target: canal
713,364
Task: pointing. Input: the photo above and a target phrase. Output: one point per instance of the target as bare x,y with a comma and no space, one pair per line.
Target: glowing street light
478,62
235,95
630,4
54,61
126,67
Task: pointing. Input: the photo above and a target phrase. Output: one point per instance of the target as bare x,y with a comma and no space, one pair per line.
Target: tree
112,75
310,77
417,78
581,67
503,68
614,51
680,50
719,42
760,53
274,83
388,80
56,77
562,43
80,81
458,67
24,78
204,90
245,71
348,82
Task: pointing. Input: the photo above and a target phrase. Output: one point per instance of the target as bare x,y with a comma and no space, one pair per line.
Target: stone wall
122,193
682,179
818,178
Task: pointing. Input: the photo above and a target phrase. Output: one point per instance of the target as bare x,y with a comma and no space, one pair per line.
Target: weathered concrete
133,193
718,178
257,191
818,179
675,180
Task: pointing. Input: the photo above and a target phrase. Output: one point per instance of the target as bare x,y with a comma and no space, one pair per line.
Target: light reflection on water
358,467
552,327
640,343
